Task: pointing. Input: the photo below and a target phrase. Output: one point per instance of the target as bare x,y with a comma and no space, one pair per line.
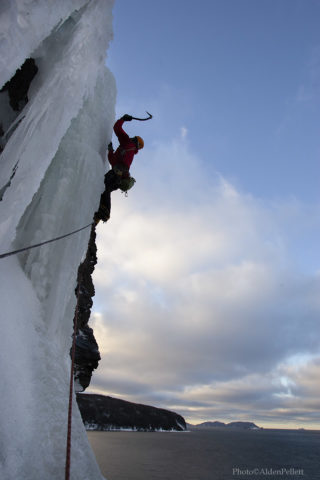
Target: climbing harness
143,119
126,183
68,448
13,252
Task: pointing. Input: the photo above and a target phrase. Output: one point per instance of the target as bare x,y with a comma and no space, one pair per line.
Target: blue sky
242,76
206,287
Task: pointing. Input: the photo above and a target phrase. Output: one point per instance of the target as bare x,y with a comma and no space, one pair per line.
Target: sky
208,272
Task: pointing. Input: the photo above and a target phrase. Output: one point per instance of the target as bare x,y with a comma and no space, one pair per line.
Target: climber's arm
123,137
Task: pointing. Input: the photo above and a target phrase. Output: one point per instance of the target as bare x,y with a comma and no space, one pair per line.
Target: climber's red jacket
126,150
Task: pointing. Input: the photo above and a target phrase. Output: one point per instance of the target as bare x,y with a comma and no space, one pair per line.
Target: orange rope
68,450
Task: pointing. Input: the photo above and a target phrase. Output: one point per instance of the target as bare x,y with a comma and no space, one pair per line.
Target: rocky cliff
100,412
87,354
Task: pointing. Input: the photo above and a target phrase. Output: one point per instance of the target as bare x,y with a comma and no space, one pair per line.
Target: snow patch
110,428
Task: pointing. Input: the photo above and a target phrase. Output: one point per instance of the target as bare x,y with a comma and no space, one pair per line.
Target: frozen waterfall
53,142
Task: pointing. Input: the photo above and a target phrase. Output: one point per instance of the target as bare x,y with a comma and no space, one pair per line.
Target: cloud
199,303
276,398
184,132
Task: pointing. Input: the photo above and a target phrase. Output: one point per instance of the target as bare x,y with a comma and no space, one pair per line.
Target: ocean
208,455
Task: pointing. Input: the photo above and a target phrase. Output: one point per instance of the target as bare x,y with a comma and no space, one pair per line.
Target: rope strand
13,252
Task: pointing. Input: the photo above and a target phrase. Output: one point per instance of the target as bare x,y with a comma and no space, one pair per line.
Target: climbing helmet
140,142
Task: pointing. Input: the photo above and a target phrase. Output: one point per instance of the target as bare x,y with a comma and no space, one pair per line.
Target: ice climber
118,177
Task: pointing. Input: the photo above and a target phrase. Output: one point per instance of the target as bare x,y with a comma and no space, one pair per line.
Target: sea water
217,454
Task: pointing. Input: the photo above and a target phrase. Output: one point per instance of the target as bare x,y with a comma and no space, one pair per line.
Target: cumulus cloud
199,302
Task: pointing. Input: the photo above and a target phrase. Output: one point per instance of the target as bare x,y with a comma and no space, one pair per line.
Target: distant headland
231,425
100,412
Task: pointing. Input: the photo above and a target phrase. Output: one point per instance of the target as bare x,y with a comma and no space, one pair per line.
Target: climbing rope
13,252
68,449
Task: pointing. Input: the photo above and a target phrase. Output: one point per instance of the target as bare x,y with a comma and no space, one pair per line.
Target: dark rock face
85,288
87,354
87,357
100,412
19,84
17,91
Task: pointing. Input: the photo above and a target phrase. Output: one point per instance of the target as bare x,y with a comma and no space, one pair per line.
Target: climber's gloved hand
110,147
127,118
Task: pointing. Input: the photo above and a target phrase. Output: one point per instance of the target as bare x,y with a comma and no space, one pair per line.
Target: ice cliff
54,134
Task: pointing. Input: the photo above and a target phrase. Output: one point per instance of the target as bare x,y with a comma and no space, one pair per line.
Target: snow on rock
51,178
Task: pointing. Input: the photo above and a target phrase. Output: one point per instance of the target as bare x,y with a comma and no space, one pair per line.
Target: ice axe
143,119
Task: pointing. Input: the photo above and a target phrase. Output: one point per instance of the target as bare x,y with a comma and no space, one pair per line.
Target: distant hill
215,424
243,425
100,412
231,425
